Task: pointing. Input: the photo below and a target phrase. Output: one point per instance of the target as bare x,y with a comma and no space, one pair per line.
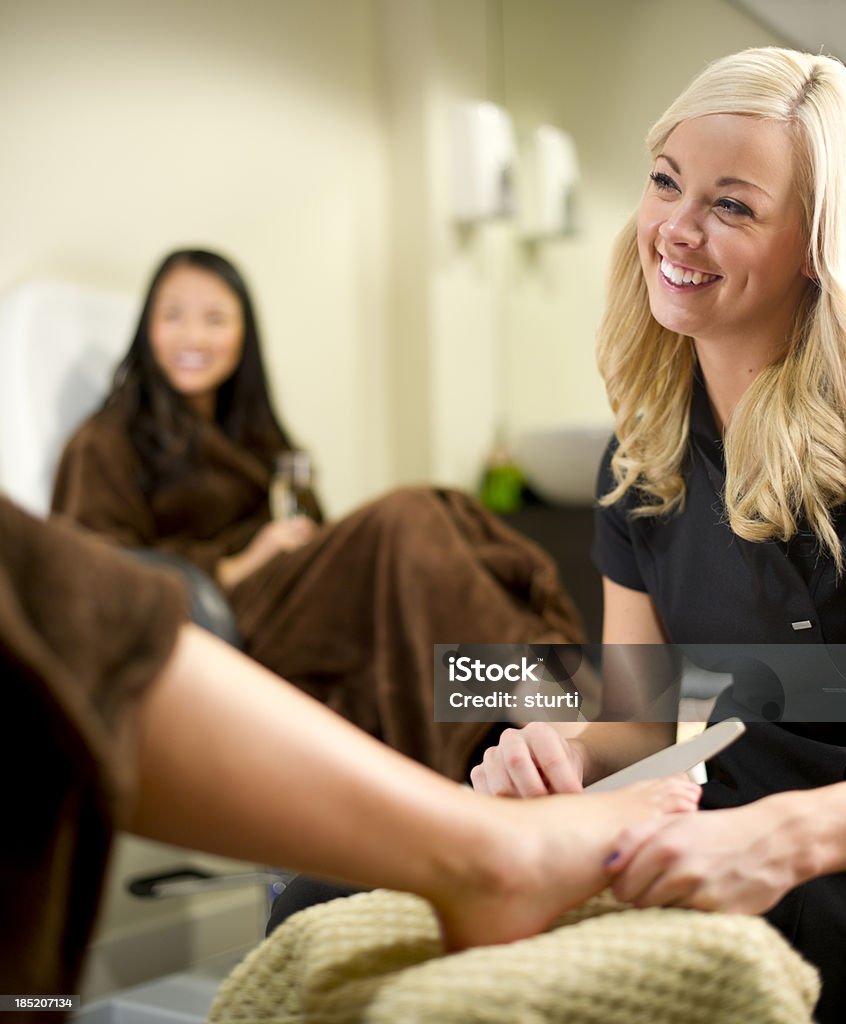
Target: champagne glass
290,485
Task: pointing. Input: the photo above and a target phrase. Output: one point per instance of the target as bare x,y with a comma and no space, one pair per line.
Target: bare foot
550,857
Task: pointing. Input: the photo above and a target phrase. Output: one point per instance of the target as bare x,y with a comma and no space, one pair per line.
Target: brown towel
352,617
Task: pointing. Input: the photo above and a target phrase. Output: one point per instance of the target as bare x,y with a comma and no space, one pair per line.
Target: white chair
59,345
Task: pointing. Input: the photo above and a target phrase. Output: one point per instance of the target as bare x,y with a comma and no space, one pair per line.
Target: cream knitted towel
377,958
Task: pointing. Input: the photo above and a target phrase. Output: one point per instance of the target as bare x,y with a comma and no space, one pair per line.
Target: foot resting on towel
560,844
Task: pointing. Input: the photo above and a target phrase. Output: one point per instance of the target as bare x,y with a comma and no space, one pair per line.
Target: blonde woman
721,500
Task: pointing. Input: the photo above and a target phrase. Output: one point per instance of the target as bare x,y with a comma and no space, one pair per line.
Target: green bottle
502,482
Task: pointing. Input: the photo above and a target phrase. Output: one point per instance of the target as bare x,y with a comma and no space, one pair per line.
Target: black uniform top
708,584
712,587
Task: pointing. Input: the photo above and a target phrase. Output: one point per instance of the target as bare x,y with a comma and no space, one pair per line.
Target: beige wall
253,127
444,316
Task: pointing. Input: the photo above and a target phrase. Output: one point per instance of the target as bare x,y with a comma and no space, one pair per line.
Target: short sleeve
613,552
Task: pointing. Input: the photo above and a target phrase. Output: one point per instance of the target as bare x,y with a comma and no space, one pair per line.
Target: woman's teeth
680,276
191,361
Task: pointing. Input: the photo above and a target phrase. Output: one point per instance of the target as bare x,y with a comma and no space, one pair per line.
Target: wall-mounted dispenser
483,154
549,173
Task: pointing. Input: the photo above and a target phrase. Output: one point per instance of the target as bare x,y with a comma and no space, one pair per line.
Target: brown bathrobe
351,618
83,631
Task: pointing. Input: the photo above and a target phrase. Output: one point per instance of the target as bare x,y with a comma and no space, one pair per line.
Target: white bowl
560,464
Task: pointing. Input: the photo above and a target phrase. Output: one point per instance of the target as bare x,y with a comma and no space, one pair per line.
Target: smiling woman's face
196,334
720,232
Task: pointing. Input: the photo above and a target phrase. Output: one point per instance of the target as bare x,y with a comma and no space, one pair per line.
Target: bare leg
557,848
236,762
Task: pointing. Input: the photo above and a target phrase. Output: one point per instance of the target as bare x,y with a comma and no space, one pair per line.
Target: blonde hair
785,446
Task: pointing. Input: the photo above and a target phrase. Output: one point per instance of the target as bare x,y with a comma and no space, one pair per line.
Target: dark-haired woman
180,459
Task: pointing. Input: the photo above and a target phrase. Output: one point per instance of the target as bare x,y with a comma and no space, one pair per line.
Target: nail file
680,757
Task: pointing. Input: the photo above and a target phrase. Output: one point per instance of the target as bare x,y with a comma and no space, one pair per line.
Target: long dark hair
162,426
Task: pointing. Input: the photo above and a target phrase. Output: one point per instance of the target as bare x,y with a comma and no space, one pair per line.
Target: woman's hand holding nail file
680,757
